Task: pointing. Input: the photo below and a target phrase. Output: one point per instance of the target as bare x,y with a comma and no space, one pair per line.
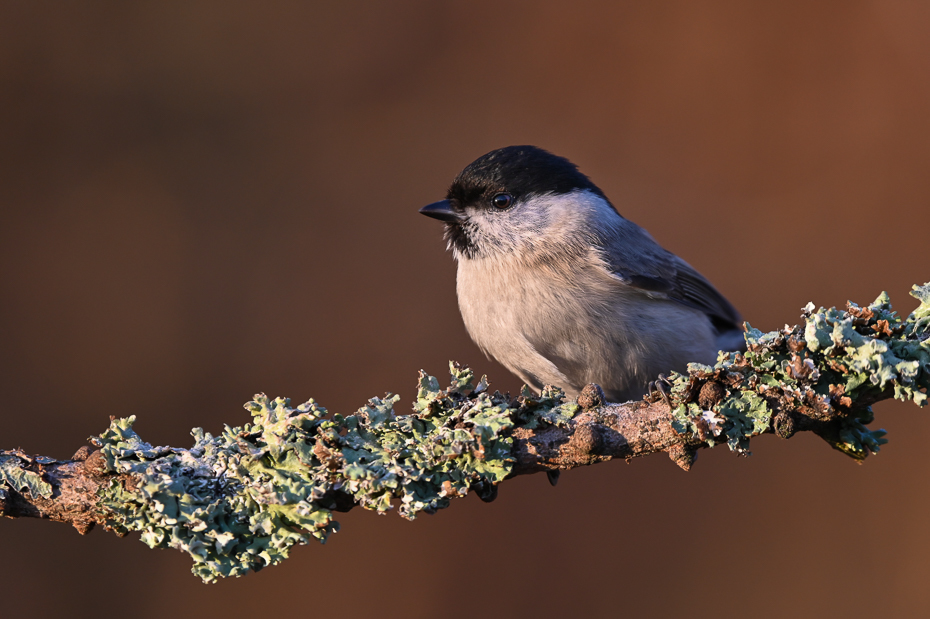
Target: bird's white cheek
494,232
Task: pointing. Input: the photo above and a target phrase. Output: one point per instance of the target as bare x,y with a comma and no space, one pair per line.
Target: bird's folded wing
638,261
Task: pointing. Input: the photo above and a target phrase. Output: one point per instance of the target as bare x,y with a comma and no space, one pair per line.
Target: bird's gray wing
636,260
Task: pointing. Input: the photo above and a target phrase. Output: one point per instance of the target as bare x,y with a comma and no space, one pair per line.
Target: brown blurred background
202,201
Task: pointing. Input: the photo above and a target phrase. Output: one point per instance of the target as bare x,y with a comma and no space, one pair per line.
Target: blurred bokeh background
200,201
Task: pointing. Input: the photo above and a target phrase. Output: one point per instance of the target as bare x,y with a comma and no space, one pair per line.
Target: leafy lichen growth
239,501
14,475
824,364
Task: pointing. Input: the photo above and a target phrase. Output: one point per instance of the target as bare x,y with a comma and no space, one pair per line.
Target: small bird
562,290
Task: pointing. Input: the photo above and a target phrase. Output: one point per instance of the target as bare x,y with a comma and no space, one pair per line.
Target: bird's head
519,199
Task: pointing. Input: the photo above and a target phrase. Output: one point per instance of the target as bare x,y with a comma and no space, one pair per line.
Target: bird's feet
661,385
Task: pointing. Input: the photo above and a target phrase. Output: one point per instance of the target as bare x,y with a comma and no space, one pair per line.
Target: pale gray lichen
238,501
14,474
833,358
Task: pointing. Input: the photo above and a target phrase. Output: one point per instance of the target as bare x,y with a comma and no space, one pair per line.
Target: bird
562,290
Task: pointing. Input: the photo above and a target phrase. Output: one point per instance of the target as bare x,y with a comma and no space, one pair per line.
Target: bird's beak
442,211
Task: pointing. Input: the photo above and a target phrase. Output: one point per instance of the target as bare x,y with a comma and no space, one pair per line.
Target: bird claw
659,385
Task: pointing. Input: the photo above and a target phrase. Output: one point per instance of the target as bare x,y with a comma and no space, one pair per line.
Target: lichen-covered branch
240,500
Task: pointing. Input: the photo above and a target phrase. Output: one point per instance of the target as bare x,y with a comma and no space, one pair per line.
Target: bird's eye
502,200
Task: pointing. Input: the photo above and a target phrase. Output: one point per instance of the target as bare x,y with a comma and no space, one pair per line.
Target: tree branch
239,501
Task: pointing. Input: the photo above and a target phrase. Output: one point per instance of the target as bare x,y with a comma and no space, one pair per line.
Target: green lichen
239,501
14,475
546,408
832,359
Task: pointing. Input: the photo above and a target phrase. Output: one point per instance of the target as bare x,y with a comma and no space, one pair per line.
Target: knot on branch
592,396
682,455
711,394
784,425
95,463
586,442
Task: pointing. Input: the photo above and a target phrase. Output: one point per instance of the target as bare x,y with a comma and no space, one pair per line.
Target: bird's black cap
520,171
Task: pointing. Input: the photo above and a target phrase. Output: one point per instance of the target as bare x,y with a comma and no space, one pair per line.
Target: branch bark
73,494
601,432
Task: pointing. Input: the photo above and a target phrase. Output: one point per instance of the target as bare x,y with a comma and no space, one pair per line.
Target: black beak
442,211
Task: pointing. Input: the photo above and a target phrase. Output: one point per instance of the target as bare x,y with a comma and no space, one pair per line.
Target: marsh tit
562,290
